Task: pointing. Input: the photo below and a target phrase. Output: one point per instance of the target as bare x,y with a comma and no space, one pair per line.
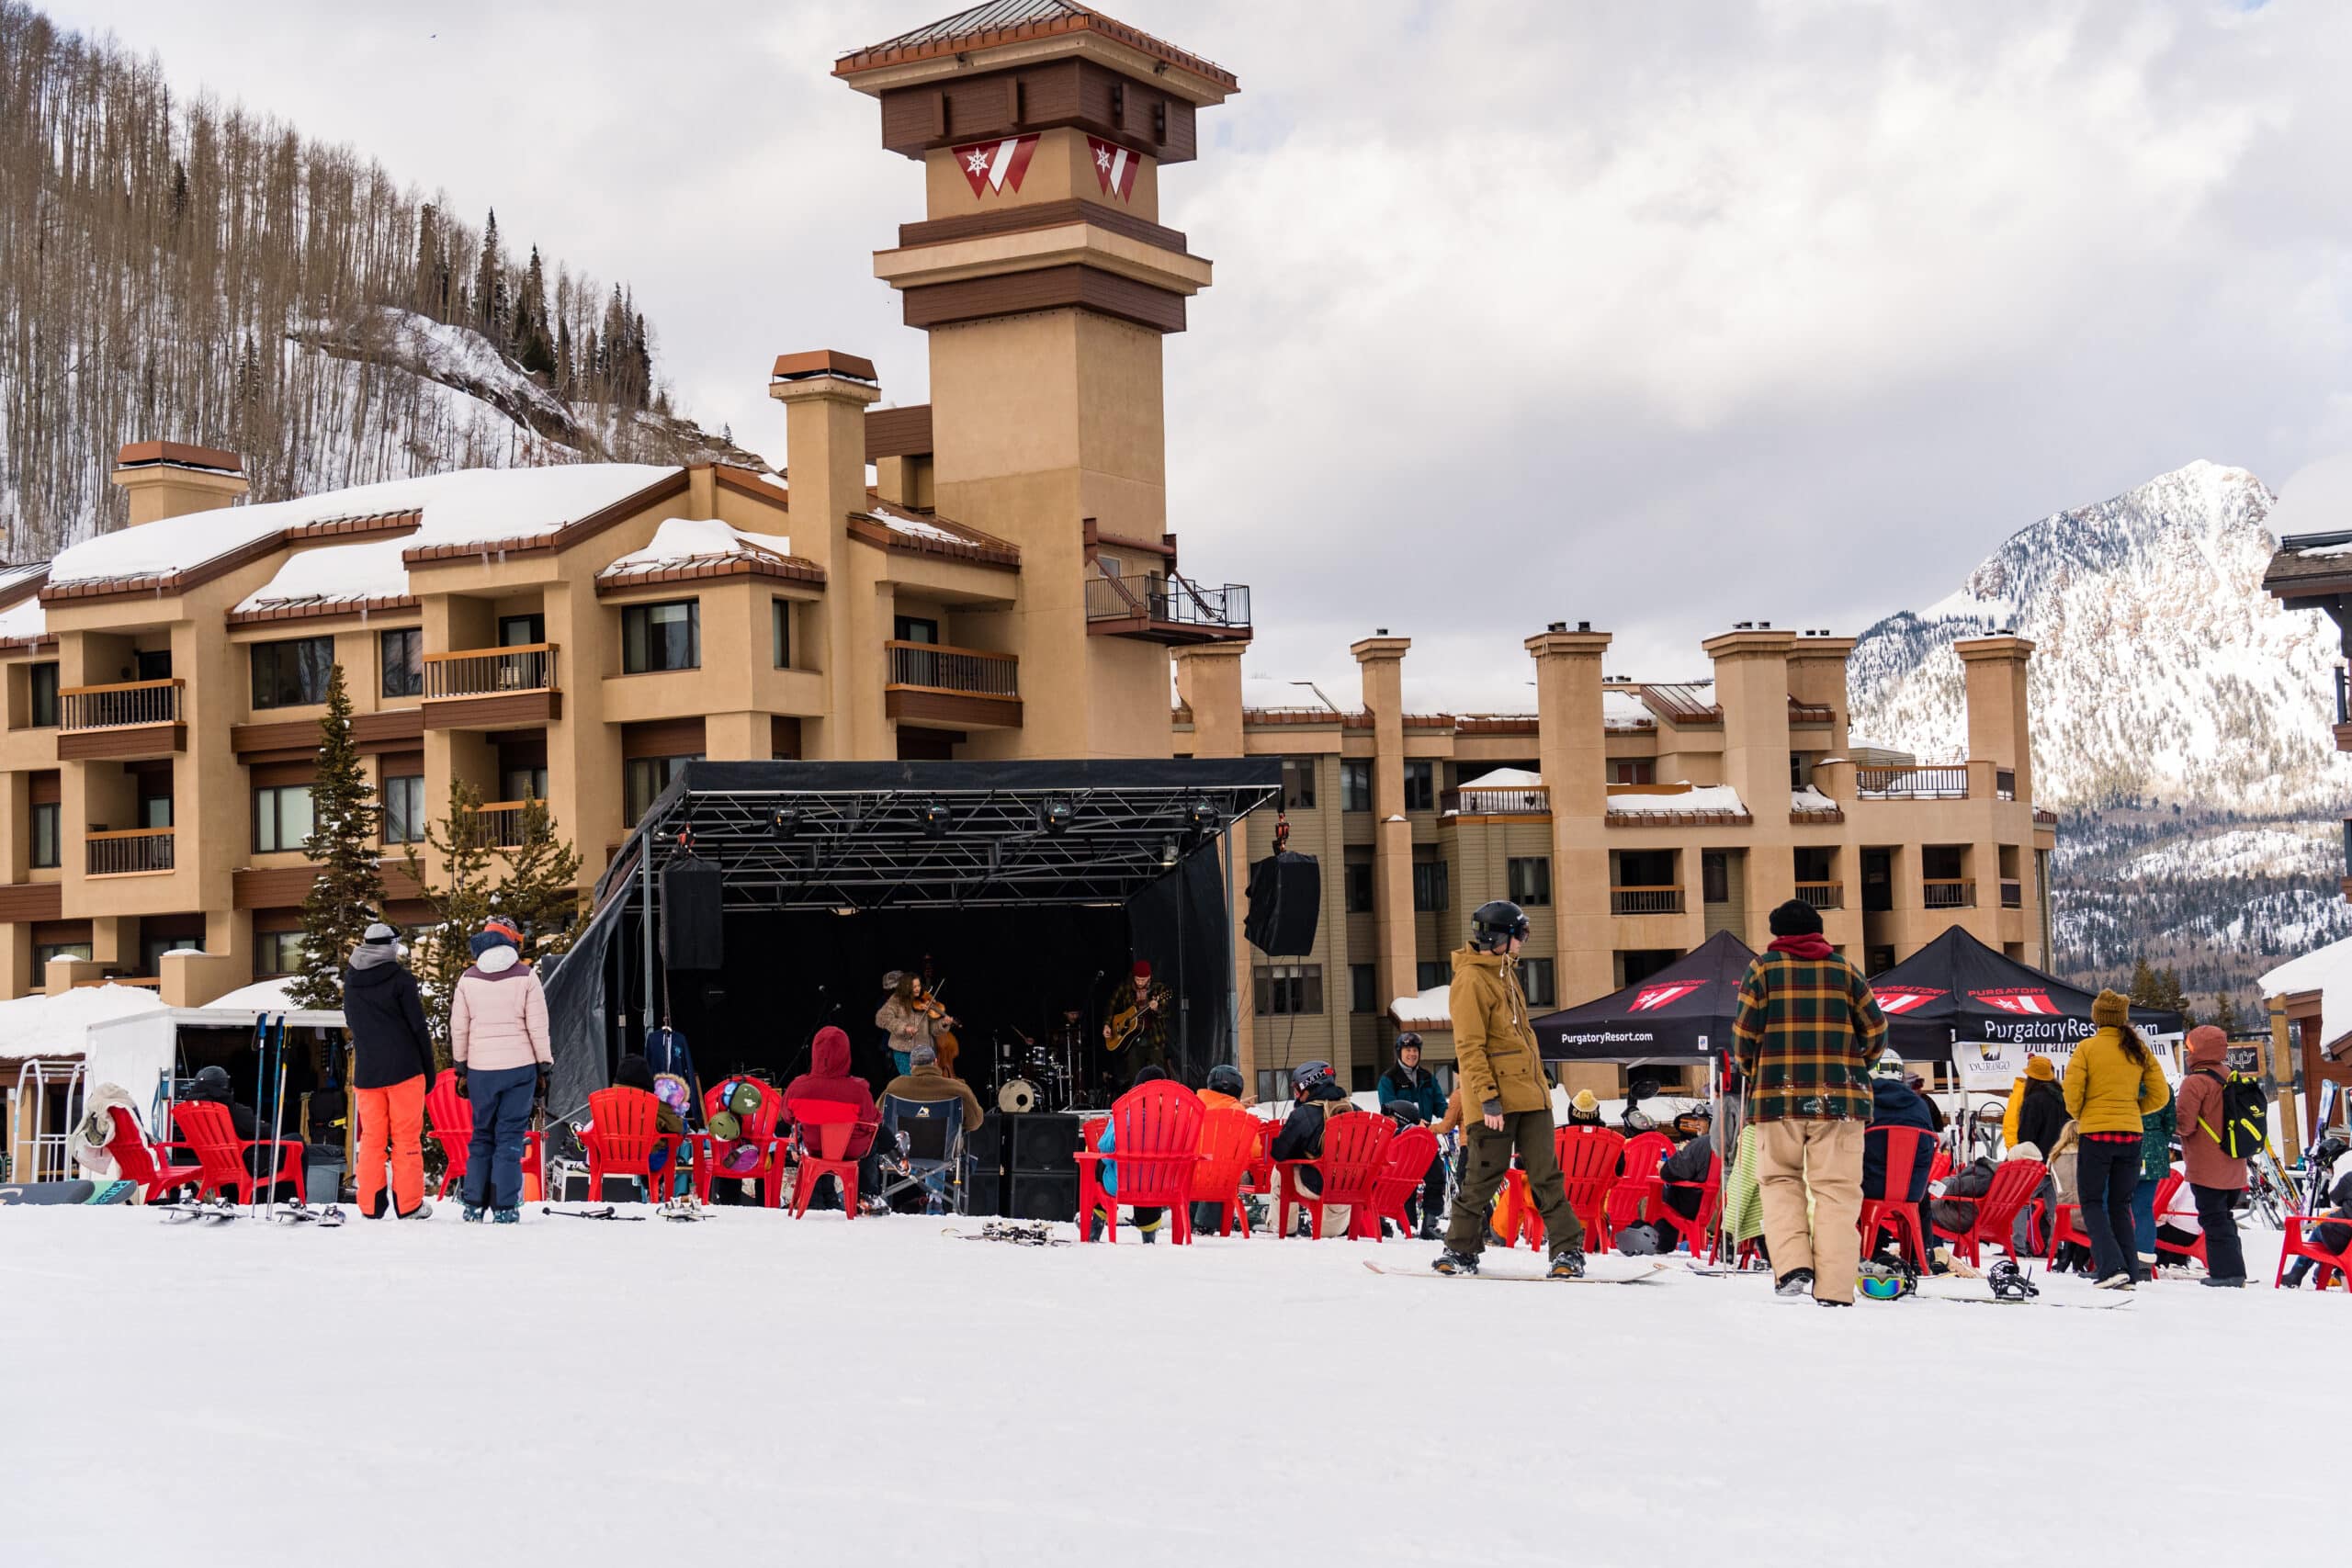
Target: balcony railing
129,854
120,706
2343,694
501,822
490,671
1912,783
1646,900
1505,801
1170,601
1949,893
1822,895
2012,894
962,670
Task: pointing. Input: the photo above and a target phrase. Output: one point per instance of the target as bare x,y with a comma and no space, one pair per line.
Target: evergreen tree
532,348
540,892
459,901
2144,985
2225,1012
490,285
2169,987
349,891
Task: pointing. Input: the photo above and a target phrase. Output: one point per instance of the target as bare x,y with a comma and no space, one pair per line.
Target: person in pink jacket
498,1037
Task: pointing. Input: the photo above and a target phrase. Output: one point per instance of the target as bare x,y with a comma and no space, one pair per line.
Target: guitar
1128,1021
927,998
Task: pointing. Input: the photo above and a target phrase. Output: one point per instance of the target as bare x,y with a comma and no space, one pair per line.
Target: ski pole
277,1117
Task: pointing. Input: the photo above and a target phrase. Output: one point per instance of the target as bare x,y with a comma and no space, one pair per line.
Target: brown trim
787,568
271,887
1094,536
1679,819
181,924
987,551
783,737
25,588
399,764
121,744
920,705
743,482
45,643
663,738
323,609
561,538
1824,814
49,933
285,918
1036,215
927,46
277,776
898,432
822,362
366,524
505,712
369,732
179,453
1073,287
31,900
44,787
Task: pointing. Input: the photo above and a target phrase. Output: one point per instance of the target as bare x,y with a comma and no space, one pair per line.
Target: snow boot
423,1210
1567,1264
1429,1230
1821,1301
1794,1283
2118,1281
473,1214
506,1217
1451,1262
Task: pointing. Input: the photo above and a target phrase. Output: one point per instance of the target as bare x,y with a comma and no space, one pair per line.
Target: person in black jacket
1411,1082
393,1065
1315,1097
1894,1103
2042,1113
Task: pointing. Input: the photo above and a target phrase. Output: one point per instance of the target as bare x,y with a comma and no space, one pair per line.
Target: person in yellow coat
2112,1082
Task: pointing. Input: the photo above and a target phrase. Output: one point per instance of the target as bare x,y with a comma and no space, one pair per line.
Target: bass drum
1017,1098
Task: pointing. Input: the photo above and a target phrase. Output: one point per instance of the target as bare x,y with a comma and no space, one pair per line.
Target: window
46,951
1298,783
1363,990
1714,877
47,846
1359,875
44,695
1639,772
402,655
780,631
155,811
1530,881
277,953
1430,891
662,637
152,663
915,628
1420,787
521,631
403,797
292,673
648,777
1536,979
1355,786
1800,774
1430,973
522,784
1289,988
152,950
281,817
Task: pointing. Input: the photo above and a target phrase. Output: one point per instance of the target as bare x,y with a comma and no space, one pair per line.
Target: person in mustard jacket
2111,1084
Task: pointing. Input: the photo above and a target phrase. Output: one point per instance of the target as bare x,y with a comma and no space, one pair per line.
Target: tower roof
995,22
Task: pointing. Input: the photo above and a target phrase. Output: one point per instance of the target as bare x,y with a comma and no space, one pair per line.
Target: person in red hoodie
829,1077
2215,1178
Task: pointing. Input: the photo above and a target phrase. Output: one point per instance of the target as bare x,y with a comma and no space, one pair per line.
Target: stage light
1057,815
936,818
1203,817
784,823
1167,854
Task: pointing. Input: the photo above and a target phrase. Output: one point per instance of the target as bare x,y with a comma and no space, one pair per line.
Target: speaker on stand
1286,901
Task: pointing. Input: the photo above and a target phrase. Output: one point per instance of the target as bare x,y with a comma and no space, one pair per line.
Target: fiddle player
909,1017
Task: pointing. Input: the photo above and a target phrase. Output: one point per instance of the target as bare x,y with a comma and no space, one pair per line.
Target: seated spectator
1584,1111
1225,1091
924,1081
212,1083
2334,1238
829,1079
1893,1103
633,1071
1685,1173
1148,1221
1316,1098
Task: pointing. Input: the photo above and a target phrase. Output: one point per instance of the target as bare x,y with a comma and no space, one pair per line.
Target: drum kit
1034,1077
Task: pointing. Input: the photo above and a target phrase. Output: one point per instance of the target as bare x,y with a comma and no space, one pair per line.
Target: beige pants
1824,1158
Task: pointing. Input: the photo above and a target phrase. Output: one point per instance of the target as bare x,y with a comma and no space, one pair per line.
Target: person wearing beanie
498,1037
1411,1082
391,1065
2214,1176
1584,1111
925,1082
2113,1085
1135,1027
1806,1035
2038,1070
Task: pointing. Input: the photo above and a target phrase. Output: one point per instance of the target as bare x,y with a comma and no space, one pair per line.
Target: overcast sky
1660,317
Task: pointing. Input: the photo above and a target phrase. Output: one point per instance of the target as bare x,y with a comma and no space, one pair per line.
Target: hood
1471,958
497,959
2207,1047
375,955
829,1053
375,973
1810,945
2041,1086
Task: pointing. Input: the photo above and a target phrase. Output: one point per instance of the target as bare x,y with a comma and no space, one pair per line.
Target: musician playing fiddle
909,1016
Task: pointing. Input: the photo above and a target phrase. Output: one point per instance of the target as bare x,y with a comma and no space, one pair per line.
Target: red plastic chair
1411,1152
768,1171
1697,1235
1229,1146
624,1130
2014,1184
205,1128
451,1116
2297,1245
1904,1148
1355,1151
832,1124
1942,1166
151,1167
1259,1178
1155,1150
1589,1159
2067,1228
1636,1196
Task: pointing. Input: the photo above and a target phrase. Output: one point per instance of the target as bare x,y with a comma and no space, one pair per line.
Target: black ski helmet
213,1083
1226,1079
1408,1041
1495,922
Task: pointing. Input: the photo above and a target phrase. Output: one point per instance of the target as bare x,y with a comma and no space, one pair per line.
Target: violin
943,1041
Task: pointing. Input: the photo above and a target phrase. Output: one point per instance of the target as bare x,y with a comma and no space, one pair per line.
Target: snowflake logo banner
1114,167
995,166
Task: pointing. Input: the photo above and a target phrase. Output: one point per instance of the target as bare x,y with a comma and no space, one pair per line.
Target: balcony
501,822
134,721
951,688
1912,783
1822,895
1527,800
1646,900
1169,609
1948,893
493,688
139,851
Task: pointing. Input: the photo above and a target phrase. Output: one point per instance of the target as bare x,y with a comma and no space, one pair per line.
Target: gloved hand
546,1075
460,1070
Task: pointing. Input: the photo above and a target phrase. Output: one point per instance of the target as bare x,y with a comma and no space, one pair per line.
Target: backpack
2245,1131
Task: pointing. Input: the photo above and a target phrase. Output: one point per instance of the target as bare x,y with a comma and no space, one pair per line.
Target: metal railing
130,852
1646,900
1822,895
501,822
964,671
117,706
1948,893
48,1153
1943,783
1172,600
490,671
2344,695
1516,800
2012,894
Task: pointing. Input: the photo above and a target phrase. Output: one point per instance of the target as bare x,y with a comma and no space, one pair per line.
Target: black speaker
1044,1141
1286,902
1036,1196
692,935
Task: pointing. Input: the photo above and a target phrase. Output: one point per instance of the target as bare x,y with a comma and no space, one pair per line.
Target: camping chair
1634,1197
927,1136
1155,1149
1589,1159
1904,1148
1410,1154
821,1131
1700,1232
2014,1185
451,1115
2297,1243
761,1134
624,1130
1230,1144
205,1127
150,1166
1355,1151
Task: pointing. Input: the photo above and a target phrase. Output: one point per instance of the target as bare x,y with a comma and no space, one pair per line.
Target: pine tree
459,901
349,891
2169,987
532,348
489,285
540,892
2225,1012
2144,985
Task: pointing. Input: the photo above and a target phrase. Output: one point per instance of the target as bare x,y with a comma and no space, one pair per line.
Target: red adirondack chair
451,1117
1259,1178
1942,1166
1697,1235
2296,1244
624,1130
2067,1228
767,1171
1906,1146
2014,1183
147,1164
821,1131
205,1128
1589,1157
1355,1150
1229,1146
1410,1154
1155,1150
1636,1196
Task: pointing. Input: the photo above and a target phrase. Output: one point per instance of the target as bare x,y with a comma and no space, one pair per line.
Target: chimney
169,478
825,395
1999,722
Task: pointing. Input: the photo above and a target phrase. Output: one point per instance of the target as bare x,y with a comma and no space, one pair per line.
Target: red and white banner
1114,167
2021,1001
1655,997
995,166
1902,1001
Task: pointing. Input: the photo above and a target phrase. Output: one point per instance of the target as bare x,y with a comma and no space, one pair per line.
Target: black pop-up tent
1681,1014
1958,989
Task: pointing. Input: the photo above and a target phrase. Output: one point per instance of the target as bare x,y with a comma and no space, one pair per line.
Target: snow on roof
916,527
2316,500
1698,797
1432,1008
2328,971
682,539
23,621
41,1025
1505,778
11,575
1810,799
1622,708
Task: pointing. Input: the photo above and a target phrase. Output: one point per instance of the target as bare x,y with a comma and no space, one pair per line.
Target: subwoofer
1285,899
1044,1143
692,934
1037,1196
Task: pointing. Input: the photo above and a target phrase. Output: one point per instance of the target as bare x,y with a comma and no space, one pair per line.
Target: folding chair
928,1135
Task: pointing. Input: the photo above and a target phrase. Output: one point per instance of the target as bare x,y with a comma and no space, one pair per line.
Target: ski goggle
1880,1287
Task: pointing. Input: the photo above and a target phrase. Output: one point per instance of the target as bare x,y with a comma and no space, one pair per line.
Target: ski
684,1211
185,1213
1425,1272
607,1213
328,1217
1020,1234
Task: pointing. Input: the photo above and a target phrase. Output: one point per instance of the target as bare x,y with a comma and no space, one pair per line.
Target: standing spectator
391,1064
2213,1176
2157,1130
1413,1083
2037,1112
2112,1085
498,1037
1806,1032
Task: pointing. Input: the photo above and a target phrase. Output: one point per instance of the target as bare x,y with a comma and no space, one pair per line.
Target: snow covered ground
758,1390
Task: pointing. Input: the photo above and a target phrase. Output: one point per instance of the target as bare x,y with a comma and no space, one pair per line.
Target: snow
1697,798
2316,500
917,528
1505,778
41,1025
24,621
1432,1008
1810,799
2326,970
681,539
566,1389
1622,708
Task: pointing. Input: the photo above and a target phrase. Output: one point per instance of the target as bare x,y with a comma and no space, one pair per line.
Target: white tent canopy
125,1035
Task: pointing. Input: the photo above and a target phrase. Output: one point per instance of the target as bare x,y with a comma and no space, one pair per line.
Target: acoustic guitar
1126,1023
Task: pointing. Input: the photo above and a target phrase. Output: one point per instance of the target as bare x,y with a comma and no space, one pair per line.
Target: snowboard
49,1192
1426,1272
2120,1301
115,1191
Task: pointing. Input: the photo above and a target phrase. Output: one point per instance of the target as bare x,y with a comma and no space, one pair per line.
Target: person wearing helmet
212,1083
1415,1085
1316,1099
1225,1091
1506,1098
